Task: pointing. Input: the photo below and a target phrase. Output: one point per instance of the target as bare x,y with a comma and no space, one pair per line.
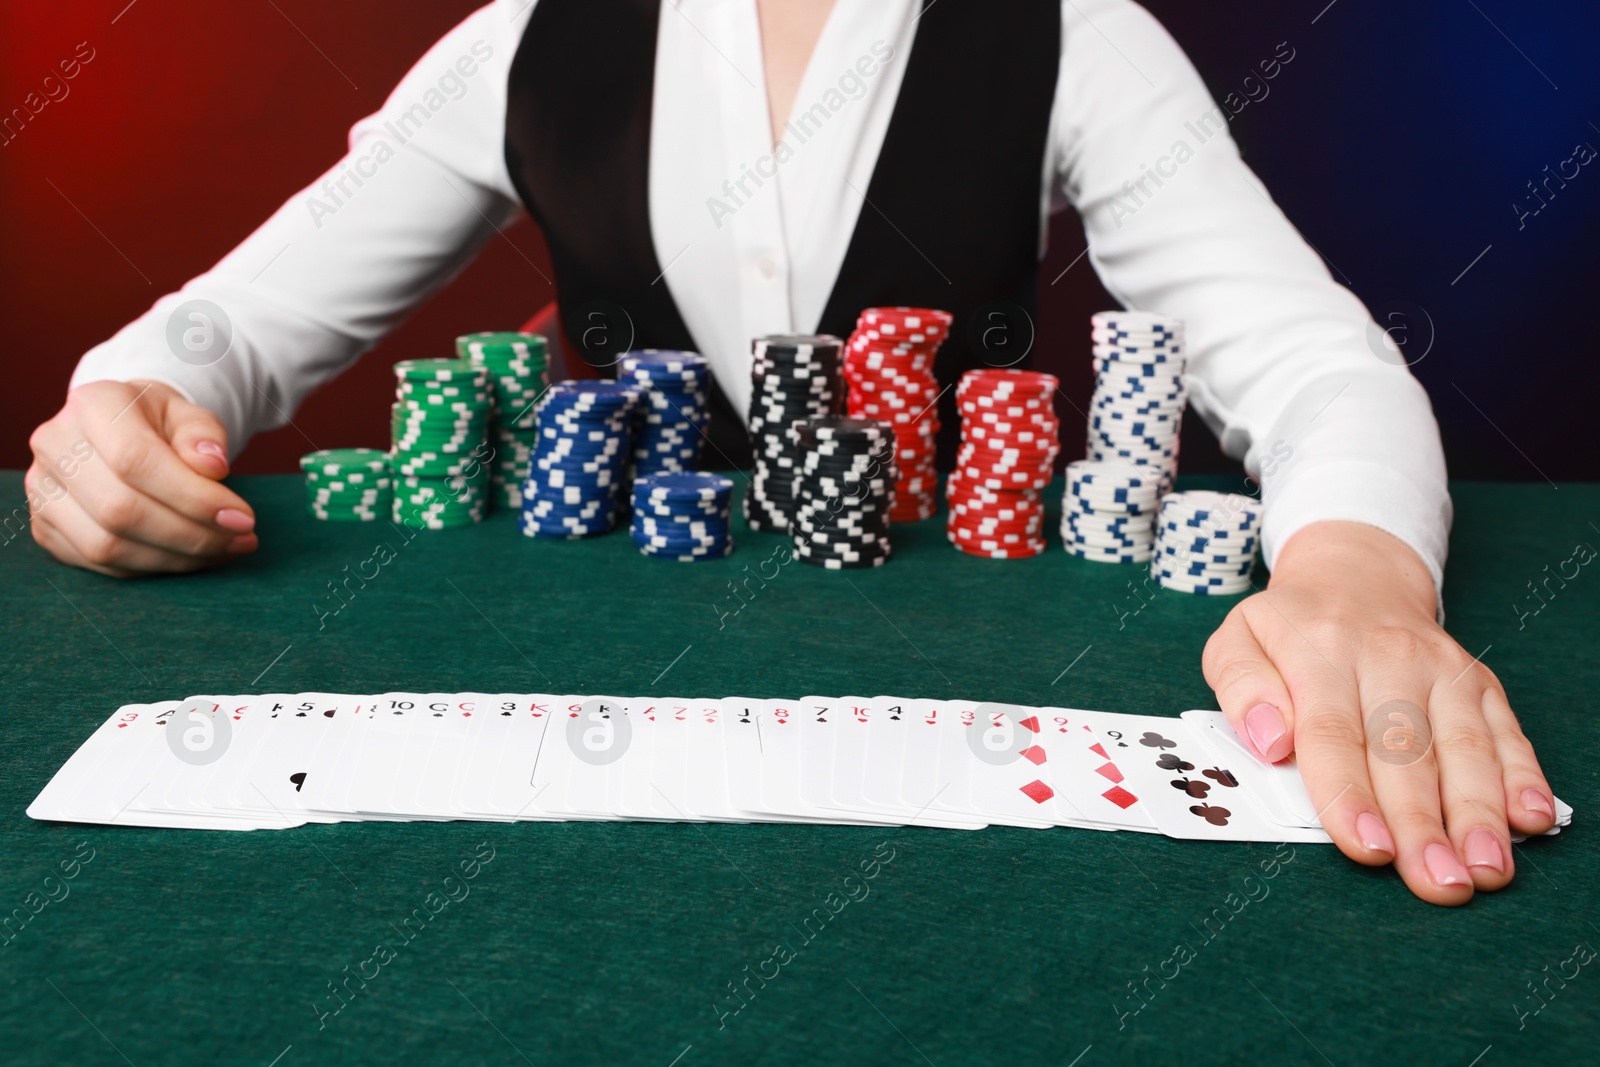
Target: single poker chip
1205,587
677,486
1097,555
345,461
1026,551
440,370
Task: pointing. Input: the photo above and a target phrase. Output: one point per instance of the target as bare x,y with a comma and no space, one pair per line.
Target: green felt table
616,943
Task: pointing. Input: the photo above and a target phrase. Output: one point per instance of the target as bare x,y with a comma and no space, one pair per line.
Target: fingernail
1537,803
1443,867
1484,851
211,448
236,520
247,543
1374,835
1265,726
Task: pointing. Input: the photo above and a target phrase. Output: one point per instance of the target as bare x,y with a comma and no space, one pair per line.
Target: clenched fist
126,481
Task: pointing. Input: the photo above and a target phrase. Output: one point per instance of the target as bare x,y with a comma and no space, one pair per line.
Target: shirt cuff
1366,492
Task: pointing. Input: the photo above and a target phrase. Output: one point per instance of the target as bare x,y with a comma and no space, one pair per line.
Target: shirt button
767,267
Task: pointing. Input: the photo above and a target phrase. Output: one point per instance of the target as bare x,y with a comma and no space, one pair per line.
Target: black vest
952,213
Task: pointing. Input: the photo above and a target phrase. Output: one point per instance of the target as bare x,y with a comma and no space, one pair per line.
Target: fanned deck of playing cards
280,760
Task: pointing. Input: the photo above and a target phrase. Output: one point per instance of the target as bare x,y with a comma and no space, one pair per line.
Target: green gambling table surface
619,943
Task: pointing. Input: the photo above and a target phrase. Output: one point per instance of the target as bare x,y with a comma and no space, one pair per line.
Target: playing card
1009,765
1292,805
706,787
669,765
1183,790
304,731
81,791
510,791
782,751
513,717
447,760
834,764
1091,790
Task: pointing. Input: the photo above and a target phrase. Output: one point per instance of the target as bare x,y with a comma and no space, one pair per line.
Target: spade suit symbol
299,779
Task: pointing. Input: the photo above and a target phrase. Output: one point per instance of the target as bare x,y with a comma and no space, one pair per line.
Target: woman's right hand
126,481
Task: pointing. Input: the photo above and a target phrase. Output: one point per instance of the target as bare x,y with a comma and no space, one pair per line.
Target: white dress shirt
751,240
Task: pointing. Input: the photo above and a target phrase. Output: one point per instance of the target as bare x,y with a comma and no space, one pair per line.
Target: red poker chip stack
1009,442
889,365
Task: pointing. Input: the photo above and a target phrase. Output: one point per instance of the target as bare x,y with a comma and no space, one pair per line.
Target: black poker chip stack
843,491
793,378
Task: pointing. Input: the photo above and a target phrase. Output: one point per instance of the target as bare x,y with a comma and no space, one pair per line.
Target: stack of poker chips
440,427
348,484
889,365
1108,512
1139,392
683,516
843,492
1009,443
669,430
580,462
793,378
517,365
1206,542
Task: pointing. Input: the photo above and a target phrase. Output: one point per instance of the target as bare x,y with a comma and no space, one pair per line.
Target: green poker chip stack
440,437
348,484
518,370
440,503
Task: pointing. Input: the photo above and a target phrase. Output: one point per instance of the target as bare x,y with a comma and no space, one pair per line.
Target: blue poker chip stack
1108,512
1206,542
1139,394
683,516
668,426
579,459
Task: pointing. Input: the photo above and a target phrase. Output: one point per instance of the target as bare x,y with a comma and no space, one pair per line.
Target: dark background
1397,140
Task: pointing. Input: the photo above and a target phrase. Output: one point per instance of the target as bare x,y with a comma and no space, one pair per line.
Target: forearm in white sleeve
1281,360
423,185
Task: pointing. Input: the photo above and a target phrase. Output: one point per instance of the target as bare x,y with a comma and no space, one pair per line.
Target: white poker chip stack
1108,512
1206,542
1139,392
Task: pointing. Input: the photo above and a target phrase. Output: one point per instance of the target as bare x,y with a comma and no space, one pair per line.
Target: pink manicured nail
245,543
1484,851
1373,834
1265,726
1443,867
1536,802
211,448
235,520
